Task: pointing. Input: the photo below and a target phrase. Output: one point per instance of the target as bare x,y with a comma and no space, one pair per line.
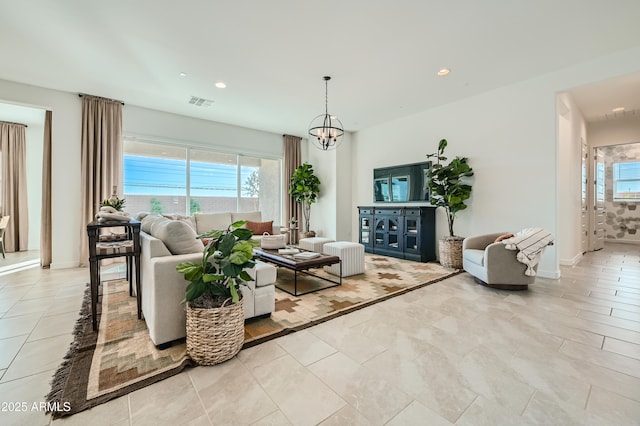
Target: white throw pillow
178,236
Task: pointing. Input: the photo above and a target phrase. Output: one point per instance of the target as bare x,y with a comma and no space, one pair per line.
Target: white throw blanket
531,242
109,214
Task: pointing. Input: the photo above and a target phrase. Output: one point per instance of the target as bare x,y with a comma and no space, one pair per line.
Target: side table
128,246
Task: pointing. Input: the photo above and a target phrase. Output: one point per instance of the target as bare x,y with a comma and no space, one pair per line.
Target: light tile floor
565,352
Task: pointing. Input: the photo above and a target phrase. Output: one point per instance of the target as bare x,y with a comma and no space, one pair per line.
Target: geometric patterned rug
121,358
117,359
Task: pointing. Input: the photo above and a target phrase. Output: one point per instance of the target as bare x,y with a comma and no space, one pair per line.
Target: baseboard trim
573,261
64,265
622,241
554,275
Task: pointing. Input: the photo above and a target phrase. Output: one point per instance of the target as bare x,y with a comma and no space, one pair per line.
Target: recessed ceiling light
444,71
220,85
618,109
183,74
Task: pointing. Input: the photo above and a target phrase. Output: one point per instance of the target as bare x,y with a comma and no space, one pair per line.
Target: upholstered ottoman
351,255
314,244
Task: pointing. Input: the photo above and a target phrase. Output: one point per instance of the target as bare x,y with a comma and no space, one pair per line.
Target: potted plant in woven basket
214,304
449,189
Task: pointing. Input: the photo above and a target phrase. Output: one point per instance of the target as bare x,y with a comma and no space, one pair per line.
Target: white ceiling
383,56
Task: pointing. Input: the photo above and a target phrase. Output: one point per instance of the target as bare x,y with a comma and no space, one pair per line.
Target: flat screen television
401,184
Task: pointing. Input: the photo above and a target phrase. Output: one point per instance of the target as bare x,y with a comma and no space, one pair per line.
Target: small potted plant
449,189
215,313
305,187
113,201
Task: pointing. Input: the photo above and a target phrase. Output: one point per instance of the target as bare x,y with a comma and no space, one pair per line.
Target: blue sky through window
162,176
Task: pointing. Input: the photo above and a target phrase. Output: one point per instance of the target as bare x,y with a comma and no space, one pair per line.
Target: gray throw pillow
148,220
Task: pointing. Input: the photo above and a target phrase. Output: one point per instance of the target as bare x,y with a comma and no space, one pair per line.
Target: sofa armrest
152,247
163,288
502,264
480,242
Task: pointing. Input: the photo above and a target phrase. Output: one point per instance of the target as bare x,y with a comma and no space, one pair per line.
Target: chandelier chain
327,130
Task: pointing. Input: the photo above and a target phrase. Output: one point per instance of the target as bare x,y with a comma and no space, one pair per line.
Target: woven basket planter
451,252
215,335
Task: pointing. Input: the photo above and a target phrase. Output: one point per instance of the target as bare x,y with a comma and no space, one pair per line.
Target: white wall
34,136
65,171
330,216
137,121
571,133
510,137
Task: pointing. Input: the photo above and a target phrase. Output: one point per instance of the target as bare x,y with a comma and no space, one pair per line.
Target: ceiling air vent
200,102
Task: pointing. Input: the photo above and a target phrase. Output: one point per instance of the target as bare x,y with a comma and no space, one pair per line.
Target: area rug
121,358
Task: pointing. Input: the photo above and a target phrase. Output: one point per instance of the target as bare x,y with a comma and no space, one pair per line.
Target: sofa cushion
148,220
263,274
474,255
189,220
206,222
260,228
249,216
178,236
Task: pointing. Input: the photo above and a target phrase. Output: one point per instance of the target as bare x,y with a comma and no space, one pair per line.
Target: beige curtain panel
13,146
45,227
101,159
291,161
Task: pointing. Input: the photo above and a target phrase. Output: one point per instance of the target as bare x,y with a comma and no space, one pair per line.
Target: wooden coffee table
288,261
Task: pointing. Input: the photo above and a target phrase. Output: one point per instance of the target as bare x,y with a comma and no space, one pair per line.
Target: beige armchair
492,265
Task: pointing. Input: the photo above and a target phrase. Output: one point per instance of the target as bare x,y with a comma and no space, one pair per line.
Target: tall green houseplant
305,187
447,184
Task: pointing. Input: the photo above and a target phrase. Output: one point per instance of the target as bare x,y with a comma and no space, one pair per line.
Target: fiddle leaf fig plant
218,276
447,184
305,187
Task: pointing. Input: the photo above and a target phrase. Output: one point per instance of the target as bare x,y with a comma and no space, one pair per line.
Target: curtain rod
100,97
17,124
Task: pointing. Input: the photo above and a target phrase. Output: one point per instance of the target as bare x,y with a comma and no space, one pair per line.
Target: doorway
33,118
616,213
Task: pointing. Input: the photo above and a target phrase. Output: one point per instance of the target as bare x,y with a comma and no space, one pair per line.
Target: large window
178,180
626,181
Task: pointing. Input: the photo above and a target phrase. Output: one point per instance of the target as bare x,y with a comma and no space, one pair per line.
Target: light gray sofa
493,265
167,243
